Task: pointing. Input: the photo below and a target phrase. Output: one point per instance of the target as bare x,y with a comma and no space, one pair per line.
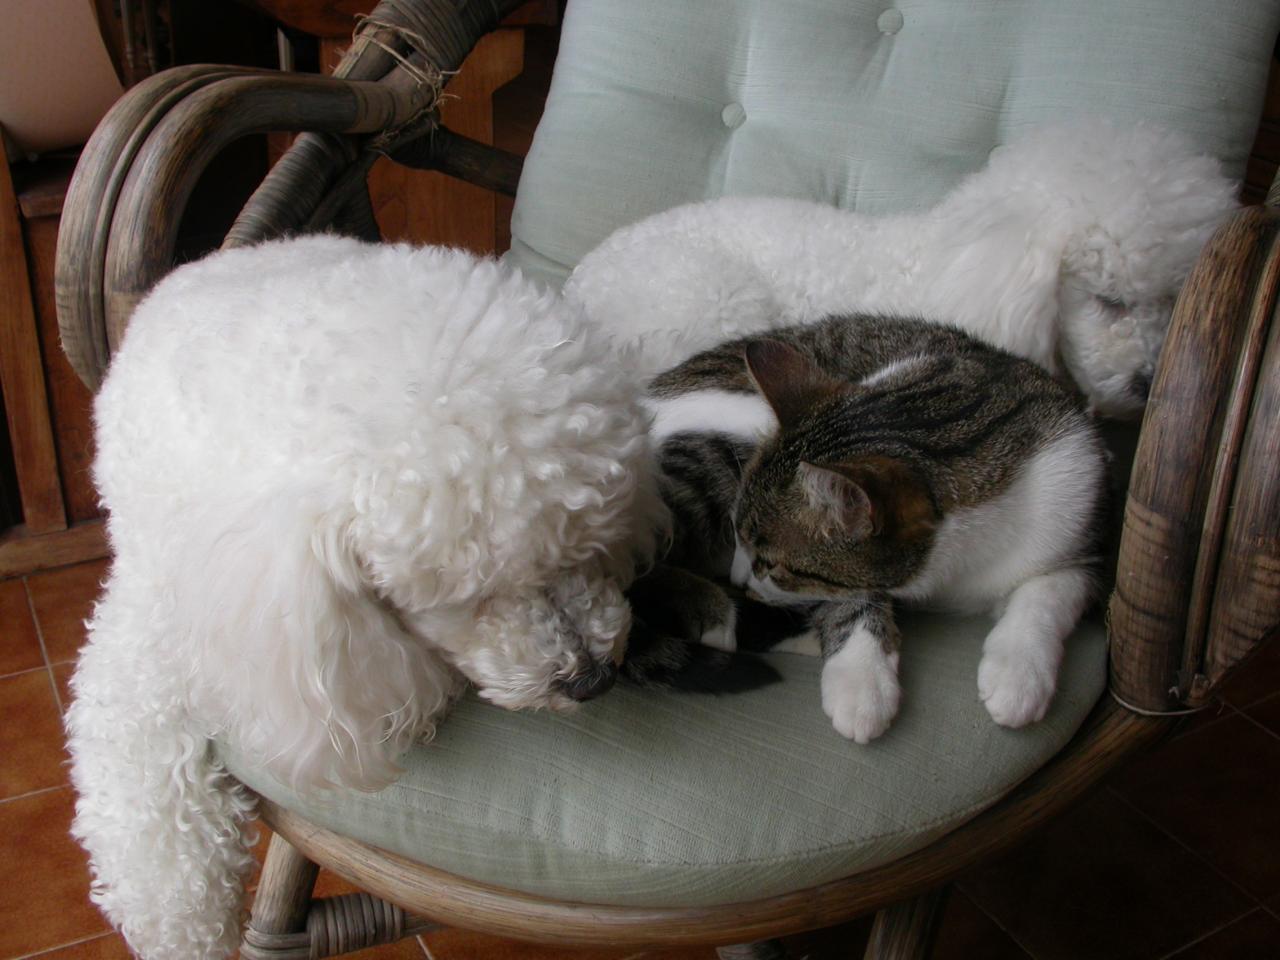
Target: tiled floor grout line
44,651
23,673
958,889
1178,840
62,946
1262,726
1212,933
34,793
1225,712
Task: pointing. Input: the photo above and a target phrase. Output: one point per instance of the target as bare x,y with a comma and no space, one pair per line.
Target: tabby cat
844,466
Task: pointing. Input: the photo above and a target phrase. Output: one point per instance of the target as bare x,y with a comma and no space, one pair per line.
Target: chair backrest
884,105
866,104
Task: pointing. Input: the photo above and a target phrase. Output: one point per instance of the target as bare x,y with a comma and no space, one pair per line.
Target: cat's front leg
680,604
860,690
1021,655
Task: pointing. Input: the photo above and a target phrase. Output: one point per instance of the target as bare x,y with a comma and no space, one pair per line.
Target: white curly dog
1068,249
340,478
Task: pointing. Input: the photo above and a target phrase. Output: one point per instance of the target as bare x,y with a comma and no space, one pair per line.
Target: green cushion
660,799
871,105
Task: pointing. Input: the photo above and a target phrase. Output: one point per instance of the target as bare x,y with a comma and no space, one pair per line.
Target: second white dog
1068,249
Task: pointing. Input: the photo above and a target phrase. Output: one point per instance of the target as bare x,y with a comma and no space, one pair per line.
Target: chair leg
905,931
760,950
287,924
277,928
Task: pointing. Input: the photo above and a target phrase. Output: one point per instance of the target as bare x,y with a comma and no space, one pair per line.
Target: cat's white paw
740,568
724,636
860,693
1015,688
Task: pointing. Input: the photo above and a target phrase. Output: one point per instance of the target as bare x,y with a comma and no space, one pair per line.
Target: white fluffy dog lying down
340,478
1068,249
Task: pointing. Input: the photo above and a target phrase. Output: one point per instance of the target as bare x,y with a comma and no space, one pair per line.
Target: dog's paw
860,693
1015,688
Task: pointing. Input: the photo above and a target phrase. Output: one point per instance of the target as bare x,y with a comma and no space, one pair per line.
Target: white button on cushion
733,115
890,21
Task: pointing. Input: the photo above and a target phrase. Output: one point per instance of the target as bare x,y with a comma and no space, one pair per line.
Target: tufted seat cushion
872,105
661,799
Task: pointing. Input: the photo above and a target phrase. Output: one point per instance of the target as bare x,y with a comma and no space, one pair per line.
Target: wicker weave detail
353,921
335,926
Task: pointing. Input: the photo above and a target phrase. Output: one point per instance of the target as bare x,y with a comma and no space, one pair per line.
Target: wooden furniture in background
46,404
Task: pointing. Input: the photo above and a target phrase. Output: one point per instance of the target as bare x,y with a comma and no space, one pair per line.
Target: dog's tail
161,823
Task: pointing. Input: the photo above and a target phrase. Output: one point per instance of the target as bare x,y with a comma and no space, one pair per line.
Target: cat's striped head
812,521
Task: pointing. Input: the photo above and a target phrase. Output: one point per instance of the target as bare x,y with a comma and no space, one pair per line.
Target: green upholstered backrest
870,105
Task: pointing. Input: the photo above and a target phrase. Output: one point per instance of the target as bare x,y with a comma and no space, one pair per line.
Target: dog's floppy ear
297,662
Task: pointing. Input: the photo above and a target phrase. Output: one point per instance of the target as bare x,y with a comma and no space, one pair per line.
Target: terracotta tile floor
1176,856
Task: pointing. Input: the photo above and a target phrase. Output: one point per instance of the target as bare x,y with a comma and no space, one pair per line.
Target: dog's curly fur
1067,248
340,478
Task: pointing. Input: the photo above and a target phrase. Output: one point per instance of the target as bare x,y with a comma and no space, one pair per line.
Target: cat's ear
869,497
842,506
787,379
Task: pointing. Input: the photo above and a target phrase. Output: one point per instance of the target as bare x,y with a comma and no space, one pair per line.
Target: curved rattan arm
423,38
1198,583
91,202
132,184
155,193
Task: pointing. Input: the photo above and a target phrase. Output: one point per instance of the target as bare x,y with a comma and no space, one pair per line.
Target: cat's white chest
982,553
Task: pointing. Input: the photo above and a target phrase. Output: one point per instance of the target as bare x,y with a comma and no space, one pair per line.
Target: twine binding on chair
423,72
427,75
1184,712
336,926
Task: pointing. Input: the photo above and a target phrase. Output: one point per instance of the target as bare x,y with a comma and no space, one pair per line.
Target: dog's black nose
590,683
1140,386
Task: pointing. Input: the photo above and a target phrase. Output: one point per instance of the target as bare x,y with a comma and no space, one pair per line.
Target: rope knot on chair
392,38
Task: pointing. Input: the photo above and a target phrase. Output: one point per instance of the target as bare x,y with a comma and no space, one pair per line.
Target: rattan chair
1197,587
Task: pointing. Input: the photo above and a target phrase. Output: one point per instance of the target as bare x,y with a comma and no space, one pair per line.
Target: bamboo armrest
1198,583
90,202
136,174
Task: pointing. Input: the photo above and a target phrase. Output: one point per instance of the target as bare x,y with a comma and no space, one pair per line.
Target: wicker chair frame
1197,590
